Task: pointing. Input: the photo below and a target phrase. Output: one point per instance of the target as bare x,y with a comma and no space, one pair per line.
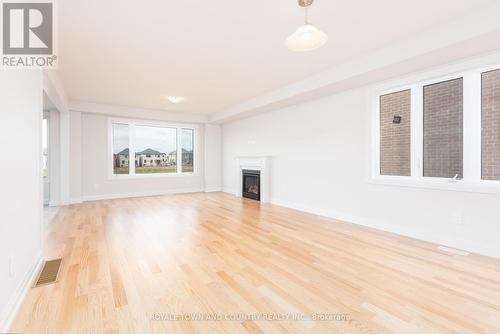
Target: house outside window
156,148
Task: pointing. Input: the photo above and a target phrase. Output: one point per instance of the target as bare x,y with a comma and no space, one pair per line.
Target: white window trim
471,73
132,124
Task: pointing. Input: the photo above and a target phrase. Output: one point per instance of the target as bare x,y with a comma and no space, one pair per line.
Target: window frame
472,109
488,69
181,147
422,116
131,142
132,123
379,125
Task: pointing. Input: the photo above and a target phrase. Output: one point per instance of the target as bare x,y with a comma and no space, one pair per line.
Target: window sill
151,176
482,187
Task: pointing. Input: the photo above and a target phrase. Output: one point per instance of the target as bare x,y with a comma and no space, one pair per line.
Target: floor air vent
49,272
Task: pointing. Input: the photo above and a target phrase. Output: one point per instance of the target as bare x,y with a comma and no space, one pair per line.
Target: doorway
45,158
51,147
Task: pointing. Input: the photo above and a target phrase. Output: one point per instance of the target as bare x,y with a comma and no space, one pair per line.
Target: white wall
53,87
136,113
65,156
21,185
321,163
54,158
213,157
75,163
96,183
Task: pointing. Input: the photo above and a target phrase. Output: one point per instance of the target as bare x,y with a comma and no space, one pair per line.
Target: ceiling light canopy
306,37
175,99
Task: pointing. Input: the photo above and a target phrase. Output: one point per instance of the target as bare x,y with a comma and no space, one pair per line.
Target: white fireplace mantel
260,163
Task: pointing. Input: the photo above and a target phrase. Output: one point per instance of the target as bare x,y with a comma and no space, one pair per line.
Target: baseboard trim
229,191
213,189
17,299
141,194
459,244
54,203
76,200
453,251
53,215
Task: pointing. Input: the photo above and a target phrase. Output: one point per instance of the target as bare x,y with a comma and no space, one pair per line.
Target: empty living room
231,166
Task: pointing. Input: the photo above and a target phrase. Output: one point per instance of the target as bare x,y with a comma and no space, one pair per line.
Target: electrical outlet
459,219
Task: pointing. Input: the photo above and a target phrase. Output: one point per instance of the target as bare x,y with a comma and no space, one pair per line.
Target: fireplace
256,165
251,184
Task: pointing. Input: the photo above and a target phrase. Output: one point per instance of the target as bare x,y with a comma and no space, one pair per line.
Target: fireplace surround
261,164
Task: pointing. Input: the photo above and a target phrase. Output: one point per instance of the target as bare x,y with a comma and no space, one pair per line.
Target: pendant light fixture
307,37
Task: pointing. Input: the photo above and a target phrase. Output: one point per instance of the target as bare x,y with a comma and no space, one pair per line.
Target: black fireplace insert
251,184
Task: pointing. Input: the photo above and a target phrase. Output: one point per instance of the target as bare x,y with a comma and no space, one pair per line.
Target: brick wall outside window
443,129
395,138
490,125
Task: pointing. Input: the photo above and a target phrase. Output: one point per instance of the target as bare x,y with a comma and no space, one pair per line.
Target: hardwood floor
130,265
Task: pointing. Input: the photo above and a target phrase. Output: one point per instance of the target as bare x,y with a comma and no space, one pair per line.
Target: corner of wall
14,303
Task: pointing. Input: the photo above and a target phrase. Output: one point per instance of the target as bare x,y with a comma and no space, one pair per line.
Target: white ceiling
221,53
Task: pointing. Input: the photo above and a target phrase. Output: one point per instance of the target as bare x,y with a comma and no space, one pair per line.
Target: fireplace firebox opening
251,184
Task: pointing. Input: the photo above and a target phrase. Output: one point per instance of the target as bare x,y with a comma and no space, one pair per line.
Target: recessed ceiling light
175,99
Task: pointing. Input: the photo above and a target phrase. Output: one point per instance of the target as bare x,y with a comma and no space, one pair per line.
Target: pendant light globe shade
306,38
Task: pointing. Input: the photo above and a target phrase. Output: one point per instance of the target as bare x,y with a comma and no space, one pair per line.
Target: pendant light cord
306,15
